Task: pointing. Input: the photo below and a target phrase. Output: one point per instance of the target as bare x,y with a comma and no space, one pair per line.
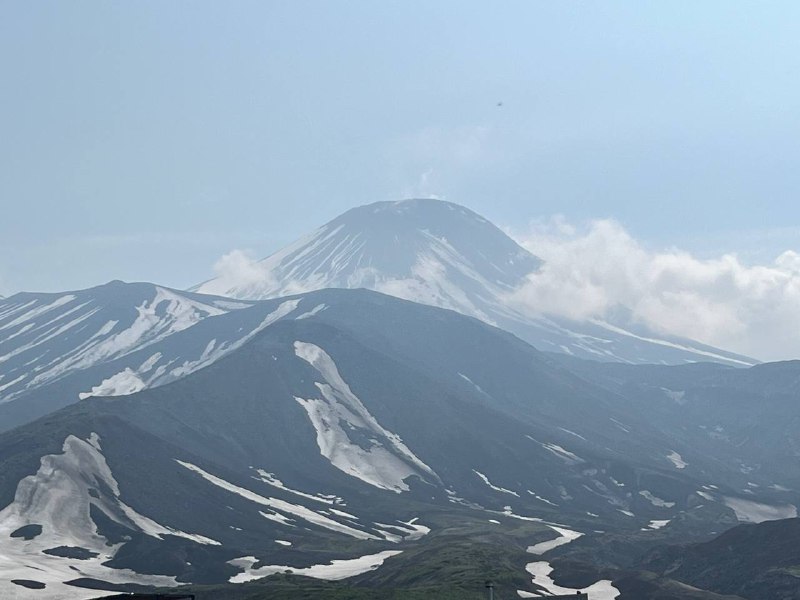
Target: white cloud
591,270
237,269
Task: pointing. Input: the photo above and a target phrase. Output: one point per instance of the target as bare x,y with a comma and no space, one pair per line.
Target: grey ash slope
445,255
332,428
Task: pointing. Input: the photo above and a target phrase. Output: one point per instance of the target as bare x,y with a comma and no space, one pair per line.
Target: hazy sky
143,140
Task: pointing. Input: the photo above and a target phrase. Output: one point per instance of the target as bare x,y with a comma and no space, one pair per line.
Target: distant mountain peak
442,254
425,250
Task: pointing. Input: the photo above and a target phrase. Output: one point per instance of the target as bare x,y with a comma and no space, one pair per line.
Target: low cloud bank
591,270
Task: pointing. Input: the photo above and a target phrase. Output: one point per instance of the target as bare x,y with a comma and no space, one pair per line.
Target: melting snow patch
295,510
122,384
335,570
214,352
677,460
472,383
560,452
318,308
277,517
657,524
577,435
272,480
59,498
496,488
387,462
418,530
655,500
538,497
748,511
563,454
150,363
601,590
624,428
565,536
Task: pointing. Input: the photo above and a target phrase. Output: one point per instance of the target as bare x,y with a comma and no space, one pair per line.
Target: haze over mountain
445,255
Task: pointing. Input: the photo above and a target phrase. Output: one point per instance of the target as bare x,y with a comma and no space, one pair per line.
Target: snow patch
276,504
317,309
655,500
600,590
59,497
538,497
387,462
272,480
565,536
558,451
748,511
677,460
496,488
333,571
122,384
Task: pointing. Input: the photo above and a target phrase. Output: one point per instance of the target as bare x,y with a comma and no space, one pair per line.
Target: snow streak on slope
282,506
386,462
565,536
677,460
127,381
59,498
271,479
496,488
44,337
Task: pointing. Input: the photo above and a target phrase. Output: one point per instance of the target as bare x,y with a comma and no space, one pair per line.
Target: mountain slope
347,429
112,340
445,255
759,562
44,337
746,417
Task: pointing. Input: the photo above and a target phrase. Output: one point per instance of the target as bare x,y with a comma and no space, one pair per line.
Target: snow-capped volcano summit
427,251
445,255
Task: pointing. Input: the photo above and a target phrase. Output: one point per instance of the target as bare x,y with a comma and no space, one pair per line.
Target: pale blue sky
142,140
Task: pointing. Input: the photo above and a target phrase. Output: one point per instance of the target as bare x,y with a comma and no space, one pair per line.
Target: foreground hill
351,426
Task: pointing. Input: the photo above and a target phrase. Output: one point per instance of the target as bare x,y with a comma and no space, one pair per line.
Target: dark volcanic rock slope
337,431
759,562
